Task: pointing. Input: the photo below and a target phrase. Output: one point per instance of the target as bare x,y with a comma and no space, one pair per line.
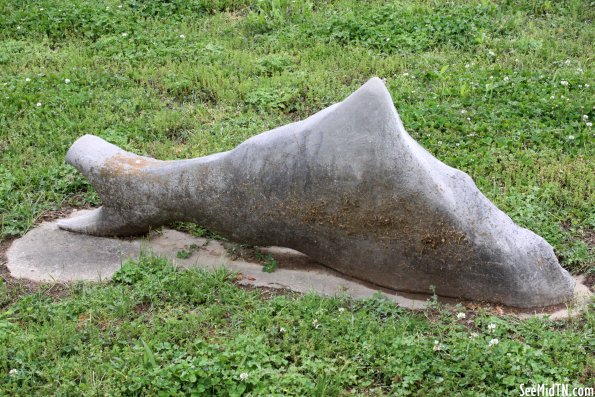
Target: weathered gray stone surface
348,187
49,254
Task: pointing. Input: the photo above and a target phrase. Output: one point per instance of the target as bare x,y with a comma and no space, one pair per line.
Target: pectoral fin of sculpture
102,221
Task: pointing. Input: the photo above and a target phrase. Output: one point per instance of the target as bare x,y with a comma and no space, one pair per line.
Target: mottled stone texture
348,187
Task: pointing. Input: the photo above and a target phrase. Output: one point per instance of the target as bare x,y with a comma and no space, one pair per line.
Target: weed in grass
272,14
196,230
270,264
185,254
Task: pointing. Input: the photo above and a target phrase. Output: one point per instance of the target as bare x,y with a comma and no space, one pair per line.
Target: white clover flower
467,66
552,97
493,342
282,330
491,77
491,53
405,74
341,309
589,124
587,85
38,104
473,335
27,79
506,78
437,346
67,81
580,70
315,324
567,62
182,36
243,376
585,117
564,82
461,315
517,60
120,6
571,137
463,111
41,9
19,27
124,34
492,326
13,372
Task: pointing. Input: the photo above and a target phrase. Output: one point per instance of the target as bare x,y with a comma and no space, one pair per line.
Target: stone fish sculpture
349,188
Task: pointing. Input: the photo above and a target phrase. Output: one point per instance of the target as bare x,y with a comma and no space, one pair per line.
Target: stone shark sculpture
349,188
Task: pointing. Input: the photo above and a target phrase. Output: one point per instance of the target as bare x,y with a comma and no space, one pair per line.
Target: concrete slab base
47,253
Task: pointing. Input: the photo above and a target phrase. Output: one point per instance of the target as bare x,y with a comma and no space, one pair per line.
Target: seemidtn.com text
555,390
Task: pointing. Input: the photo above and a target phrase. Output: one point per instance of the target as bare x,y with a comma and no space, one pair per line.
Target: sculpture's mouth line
349,186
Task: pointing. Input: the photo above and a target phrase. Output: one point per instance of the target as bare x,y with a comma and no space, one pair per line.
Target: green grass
479,84
500,89
157,331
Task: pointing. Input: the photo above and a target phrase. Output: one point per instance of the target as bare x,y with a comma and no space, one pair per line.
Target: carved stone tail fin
117,176
89,154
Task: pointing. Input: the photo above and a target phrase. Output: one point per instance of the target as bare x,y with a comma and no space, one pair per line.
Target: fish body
348,187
